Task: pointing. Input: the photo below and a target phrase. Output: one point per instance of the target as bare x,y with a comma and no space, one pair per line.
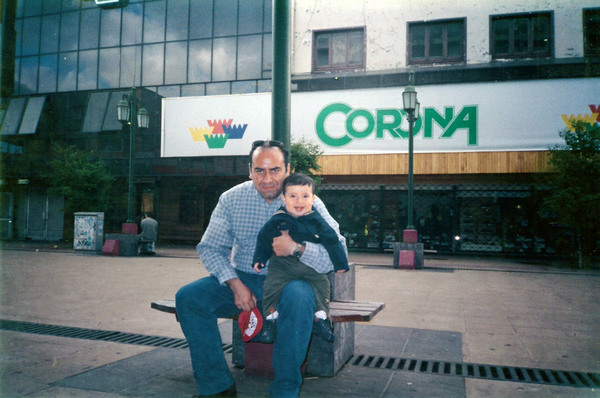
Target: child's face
298,199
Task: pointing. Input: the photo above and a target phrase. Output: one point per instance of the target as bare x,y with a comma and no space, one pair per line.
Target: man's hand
244,298
284,245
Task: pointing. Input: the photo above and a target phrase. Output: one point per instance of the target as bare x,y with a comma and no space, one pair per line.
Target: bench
324,359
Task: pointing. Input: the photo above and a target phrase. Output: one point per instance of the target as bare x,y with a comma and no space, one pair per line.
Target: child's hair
298,179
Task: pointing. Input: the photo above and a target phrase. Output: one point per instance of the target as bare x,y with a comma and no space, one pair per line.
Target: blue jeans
200,303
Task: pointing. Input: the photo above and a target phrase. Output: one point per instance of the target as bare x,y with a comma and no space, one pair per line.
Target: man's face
267,172
298,200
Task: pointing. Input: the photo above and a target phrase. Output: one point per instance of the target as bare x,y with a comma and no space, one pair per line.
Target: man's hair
269,144
298,179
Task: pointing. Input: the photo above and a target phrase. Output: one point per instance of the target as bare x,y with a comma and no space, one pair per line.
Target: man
226,250
149,233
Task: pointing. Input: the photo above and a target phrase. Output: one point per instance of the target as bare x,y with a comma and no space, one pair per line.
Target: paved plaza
461,327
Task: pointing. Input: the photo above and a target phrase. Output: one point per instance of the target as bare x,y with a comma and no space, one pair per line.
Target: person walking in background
149,234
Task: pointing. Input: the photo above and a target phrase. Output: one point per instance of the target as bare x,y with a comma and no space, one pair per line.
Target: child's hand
341,271
258,267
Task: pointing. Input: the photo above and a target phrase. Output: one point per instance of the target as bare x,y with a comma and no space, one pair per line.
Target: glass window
17,75
110,117
243,87
225,18
32,115
51,6
90,26
217,89
169,91
268,16
199,61
110,27
131,66
224,53
32,7
152,64
69,31
132,24
267,54
31,36
13,116
251,16
339,49
591,31
70,4
201,19
249,65
48,73
522,36
88,70
192,90
436,41
19,36
94,115
108,73
29,75
154,22
49,37
175,62
177,20
67,71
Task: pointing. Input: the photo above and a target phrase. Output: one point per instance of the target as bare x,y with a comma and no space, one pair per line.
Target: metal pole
411,122
132,135
281,80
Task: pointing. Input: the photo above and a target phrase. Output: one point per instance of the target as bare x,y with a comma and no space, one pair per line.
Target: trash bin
89,231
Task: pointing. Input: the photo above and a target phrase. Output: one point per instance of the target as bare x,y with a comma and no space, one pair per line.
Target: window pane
88,70
417,41
249,59
501,36
69,31
225,18
90,25
267,52
19,36
224,54
322,50
50,34
131,66
13,115
70,4
110,28
32,115
177,20
243,87
94,115
29,75
51,6
355,48
175,62
592,32
455,39
169,91
200,19
110,117
250,18
32,7
268,16
541,34
199,61
192,90
521,35
154,22
108,74
217,89
338,49
67,71
132,24
48,73
152,65
436,41
31,36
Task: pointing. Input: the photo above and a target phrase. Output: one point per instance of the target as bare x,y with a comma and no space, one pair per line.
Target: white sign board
508,116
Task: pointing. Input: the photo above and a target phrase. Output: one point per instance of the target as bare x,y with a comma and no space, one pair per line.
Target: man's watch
298,250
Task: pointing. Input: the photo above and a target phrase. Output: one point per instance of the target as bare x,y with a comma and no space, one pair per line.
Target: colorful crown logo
236,132
218,132
218,125
198,133
216,140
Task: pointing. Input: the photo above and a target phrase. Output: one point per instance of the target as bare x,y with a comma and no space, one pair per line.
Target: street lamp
411,107
126,109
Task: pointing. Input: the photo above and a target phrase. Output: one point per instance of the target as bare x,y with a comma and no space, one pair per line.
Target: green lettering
389,126
367,130
432,115
466,119
320,125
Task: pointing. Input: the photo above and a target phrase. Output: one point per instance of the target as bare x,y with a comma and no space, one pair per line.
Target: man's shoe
324,329
267,333
230,392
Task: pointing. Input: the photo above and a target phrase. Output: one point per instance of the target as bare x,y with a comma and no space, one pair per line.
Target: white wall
386,25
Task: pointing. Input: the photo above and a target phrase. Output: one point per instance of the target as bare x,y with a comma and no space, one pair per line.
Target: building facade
475,64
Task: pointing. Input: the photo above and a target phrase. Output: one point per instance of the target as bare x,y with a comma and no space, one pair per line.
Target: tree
303,159
575,194
82,181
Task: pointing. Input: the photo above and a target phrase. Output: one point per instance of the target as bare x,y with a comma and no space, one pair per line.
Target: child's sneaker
324,329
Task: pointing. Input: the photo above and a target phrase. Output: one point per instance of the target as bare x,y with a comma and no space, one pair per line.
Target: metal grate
99,335
563,378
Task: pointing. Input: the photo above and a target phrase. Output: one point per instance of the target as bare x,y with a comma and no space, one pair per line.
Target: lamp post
411,107
126,109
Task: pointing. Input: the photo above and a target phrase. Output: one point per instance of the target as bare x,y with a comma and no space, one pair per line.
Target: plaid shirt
229,241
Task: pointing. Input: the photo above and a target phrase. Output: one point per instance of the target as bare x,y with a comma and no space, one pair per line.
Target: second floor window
591,31
437,41
522,36
338,50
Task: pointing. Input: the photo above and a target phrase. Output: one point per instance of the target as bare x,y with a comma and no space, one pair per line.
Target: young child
298,218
